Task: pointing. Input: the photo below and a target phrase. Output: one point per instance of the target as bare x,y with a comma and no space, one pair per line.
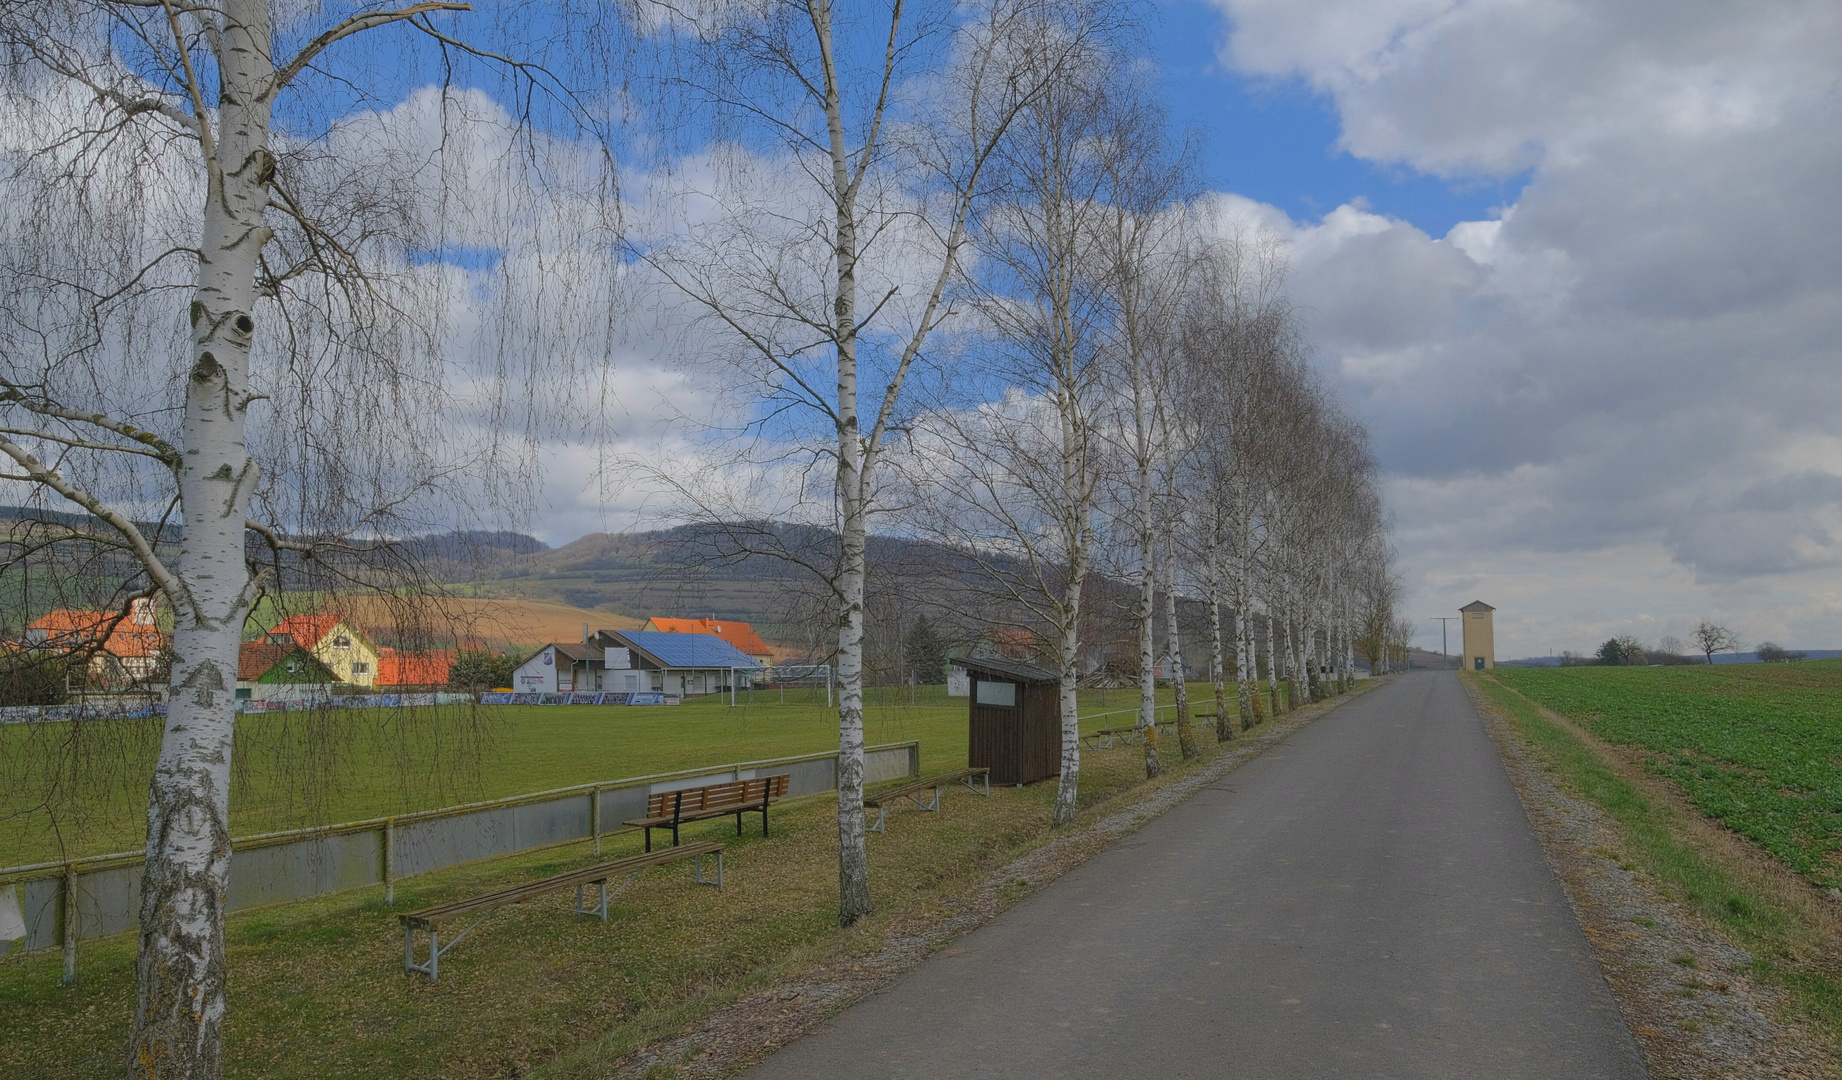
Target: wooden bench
880,801
1107,738
597,876
670,809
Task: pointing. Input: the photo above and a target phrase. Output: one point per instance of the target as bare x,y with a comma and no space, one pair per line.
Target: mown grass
1790,948
318,989
1757,747
71,790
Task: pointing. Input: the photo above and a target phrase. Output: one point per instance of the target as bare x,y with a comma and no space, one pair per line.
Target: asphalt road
1365,900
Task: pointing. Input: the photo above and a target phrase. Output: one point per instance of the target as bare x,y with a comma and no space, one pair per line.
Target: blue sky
1276,140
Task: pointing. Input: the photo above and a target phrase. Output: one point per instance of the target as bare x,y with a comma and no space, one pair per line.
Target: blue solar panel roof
689,650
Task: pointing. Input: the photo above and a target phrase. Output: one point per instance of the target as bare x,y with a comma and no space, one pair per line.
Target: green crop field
1757,747
74,790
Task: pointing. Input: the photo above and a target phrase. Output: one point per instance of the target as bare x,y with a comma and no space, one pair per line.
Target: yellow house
1480,636
342,647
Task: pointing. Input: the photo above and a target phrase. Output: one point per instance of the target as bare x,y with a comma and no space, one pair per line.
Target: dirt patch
1688,991
734,1037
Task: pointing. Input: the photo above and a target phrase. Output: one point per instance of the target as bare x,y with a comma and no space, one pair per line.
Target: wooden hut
1015,721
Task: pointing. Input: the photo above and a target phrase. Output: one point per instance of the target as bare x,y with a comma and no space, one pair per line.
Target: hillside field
1757,747
297,770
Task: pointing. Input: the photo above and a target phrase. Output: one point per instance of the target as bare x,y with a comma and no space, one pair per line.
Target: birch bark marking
179,1006
853,858
1186,737
1218,677
1148,577
1074,480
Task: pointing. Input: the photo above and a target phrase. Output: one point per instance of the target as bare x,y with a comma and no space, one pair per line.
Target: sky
1575,266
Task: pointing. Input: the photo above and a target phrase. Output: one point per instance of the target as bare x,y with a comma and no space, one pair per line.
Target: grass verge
1790,929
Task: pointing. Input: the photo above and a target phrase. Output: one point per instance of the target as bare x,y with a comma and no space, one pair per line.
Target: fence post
390,861
594,817
70,924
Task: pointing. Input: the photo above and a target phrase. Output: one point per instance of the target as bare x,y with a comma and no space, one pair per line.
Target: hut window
997,693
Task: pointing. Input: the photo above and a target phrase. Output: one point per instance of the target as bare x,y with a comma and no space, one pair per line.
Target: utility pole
1442,640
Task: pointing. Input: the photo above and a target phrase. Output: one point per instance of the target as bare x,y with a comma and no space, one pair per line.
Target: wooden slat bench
1107,738
670,809
484,905
880,801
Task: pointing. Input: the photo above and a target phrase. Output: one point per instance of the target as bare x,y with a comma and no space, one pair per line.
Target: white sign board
959,684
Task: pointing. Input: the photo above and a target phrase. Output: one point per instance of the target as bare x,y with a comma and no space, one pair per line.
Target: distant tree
477,669
1770,652
1711,638
1622,651
33,678
924,652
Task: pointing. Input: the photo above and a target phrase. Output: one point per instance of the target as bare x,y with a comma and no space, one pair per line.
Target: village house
734,631
131,647
637,661
333,641
266,669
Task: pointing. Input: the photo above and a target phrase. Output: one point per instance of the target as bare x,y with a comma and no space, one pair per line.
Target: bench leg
881,813
985,777
649,838
764,819
409,953
674,834
601,909
929,808
738,823
719,870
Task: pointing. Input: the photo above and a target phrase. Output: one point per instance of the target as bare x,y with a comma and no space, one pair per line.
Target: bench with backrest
670,809
880,801
598,876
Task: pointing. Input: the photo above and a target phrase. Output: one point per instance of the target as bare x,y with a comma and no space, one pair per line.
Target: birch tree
862,139
194,291
1142,251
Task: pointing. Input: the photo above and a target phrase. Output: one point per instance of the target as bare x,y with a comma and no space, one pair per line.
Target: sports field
74,790
1757,747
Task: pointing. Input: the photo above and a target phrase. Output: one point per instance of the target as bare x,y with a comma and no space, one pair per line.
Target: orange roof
407,667
734,631
307,630
68,628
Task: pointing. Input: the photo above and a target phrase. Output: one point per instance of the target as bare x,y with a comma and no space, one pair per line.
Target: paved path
1365,900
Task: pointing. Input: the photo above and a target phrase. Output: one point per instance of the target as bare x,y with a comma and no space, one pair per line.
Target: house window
997,693
359,667
633,682
293,666
342,642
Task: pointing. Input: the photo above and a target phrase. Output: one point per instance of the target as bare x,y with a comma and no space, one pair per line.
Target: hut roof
1009,669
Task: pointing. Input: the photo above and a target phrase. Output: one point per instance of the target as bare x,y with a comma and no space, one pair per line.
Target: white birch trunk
1218,674
1186,737
179,1006
853,492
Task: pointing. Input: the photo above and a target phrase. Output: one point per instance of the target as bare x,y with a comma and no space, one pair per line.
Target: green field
75,790
1757,747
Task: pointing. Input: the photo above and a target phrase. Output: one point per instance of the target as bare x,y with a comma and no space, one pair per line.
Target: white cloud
1614,401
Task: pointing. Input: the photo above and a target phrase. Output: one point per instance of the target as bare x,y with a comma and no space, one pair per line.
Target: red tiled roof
414,667
255,658
734,631
69,628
